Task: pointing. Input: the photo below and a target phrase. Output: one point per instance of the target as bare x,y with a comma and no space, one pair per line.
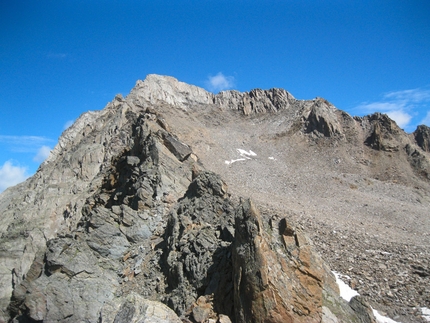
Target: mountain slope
125,189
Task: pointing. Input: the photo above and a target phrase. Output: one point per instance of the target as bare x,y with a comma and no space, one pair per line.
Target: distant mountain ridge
128,209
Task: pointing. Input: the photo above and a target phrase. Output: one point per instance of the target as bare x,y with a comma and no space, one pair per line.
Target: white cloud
395,110
42,154
219,82
11,175
402,118
401,106
68,124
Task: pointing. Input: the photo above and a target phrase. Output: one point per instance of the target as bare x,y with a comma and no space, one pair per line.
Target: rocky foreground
129,221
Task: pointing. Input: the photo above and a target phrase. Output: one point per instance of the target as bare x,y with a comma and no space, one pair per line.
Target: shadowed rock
383,133
422,137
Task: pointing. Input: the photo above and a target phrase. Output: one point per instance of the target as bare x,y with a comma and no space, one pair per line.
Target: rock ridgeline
122,223
317,118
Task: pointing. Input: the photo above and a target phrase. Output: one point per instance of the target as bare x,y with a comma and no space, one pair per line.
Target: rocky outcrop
279,278
157,89
196,258
256,101
84,266
383,133
257,298
422,137
322,119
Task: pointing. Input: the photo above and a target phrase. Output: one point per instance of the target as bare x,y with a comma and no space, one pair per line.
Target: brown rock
200,314
269,287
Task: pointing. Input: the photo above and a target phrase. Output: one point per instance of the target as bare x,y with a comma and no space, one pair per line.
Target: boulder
135,309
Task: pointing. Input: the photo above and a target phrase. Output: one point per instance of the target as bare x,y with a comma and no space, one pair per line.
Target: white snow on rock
244,154
347,293
382,319
228,162
426,313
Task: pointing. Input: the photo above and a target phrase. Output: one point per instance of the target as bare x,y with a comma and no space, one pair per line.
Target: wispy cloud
24,144
11,175
414,95
42,154
401,106
219,82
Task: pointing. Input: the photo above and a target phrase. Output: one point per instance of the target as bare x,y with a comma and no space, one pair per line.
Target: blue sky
59,59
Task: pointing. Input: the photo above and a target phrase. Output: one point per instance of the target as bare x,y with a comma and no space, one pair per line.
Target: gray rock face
322,119
383,133
123,219
197,256
166,89
422,137
256,101
107,205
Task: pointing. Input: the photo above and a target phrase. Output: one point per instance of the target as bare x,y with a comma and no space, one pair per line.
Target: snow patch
347,293
228,162
243,154
426,313
272,158
382,319
246,153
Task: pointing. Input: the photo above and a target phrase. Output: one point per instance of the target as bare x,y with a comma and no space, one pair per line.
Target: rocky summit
174,204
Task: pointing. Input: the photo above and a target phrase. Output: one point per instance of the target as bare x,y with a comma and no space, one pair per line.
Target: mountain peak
159,88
